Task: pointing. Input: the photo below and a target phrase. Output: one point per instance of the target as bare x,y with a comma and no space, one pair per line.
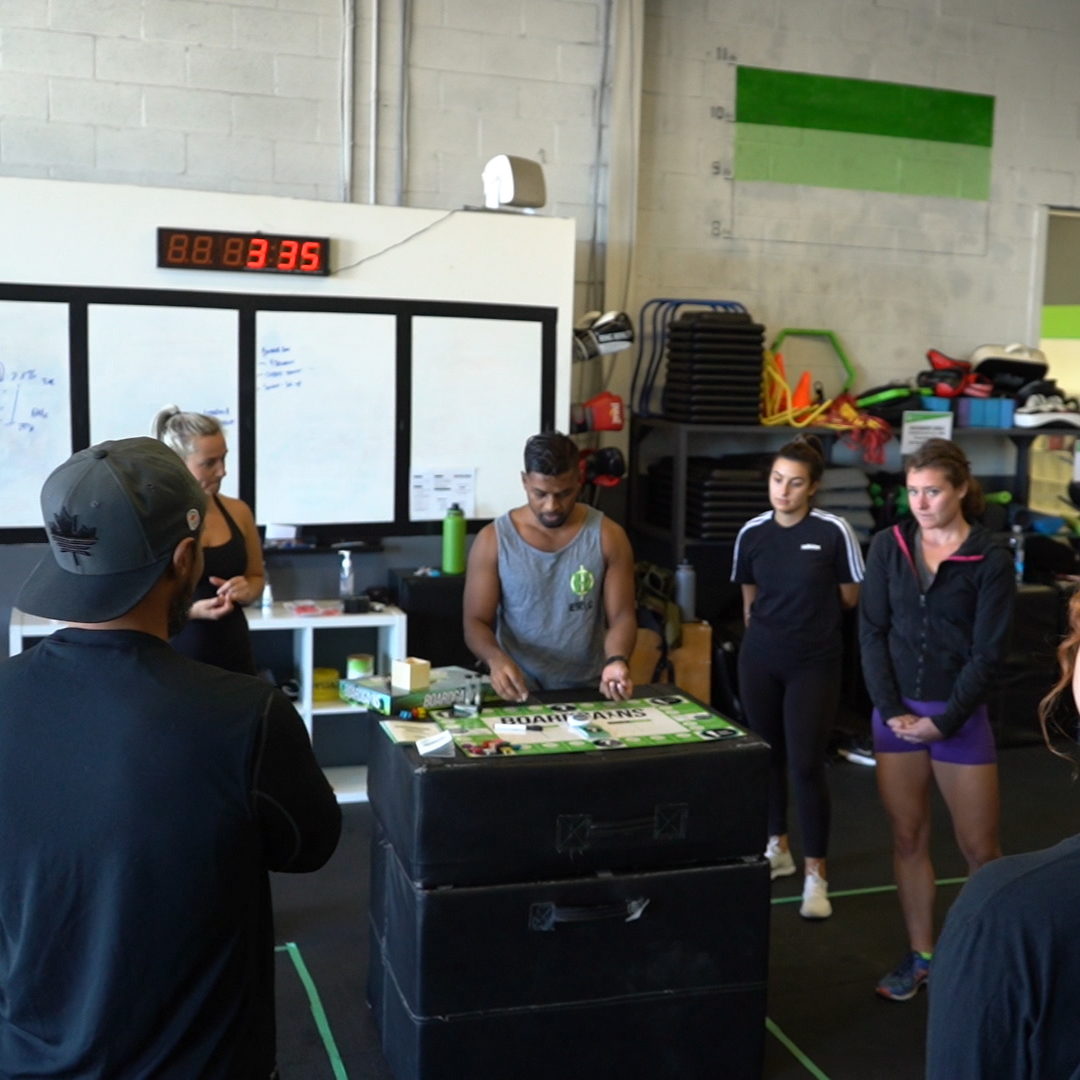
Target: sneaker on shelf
906,979
781,864
815,898
1043,410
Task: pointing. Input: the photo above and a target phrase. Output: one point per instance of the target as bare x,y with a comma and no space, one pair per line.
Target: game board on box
579,727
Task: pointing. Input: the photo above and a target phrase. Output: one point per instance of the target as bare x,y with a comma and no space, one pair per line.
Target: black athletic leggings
792,704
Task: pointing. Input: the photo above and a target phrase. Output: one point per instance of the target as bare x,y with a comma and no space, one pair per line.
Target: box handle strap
579,832
547,916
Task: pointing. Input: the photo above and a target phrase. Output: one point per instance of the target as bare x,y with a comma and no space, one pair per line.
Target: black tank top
224,642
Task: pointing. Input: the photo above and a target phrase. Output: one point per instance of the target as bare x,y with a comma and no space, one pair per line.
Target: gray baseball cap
114,514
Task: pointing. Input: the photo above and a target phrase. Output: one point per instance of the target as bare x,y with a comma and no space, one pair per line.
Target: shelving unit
349,782
683,439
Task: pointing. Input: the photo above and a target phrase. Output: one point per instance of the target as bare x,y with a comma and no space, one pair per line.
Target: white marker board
475,401
142,357
35,410
325,417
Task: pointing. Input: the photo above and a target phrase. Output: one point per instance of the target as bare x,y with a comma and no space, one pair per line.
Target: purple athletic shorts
973,744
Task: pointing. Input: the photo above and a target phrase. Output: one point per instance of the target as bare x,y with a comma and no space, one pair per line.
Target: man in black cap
143,798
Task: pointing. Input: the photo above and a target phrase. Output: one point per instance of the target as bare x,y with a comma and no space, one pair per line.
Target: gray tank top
551,614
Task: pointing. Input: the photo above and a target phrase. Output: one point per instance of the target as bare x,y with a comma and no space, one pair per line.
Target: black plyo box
553,978
469,821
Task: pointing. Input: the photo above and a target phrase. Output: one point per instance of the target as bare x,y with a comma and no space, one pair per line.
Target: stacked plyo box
719,499
714,366
570,915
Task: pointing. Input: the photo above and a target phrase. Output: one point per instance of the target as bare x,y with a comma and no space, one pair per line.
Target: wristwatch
616,660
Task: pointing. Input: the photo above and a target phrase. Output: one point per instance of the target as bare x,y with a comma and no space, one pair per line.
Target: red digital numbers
178,248
287,255
233,253
258,249
206,250
202,250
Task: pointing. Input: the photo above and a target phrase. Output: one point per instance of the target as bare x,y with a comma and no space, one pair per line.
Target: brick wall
242,95
179,93
892,285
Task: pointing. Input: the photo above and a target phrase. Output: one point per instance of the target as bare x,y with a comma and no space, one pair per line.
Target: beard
179,609
553,521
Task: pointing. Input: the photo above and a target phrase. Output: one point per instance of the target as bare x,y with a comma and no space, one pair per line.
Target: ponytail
179,430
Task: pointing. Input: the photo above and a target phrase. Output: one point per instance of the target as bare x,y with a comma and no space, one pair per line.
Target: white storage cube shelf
349,782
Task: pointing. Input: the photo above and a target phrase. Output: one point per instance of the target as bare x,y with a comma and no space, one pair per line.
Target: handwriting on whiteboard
27,397
278,369
223,416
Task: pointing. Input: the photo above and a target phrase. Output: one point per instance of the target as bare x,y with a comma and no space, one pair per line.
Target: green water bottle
453,541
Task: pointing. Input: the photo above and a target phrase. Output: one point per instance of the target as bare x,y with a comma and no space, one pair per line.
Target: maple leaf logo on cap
71,537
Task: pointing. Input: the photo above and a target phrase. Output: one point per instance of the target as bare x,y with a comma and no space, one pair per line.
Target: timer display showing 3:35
202,249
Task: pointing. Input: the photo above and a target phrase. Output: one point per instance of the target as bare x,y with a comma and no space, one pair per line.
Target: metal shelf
682,434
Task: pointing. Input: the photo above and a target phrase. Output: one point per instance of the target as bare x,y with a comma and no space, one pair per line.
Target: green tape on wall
795,128
1061,321
794,99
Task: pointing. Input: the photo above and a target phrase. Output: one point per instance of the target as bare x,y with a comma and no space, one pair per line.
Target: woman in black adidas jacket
934,625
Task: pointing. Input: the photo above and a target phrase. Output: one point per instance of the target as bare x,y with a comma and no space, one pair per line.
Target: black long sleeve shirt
143,798
943,644
1005,980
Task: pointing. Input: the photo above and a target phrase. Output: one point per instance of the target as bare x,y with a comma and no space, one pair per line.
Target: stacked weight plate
720,499
713,374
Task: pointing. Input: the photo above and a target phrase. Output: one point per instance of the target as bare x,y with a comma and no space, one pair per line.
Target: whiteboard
143,357
475,400
325,417
35,404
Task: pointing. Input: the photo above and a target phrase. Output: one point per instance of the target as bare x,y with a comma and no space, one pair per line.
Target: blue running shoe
906,979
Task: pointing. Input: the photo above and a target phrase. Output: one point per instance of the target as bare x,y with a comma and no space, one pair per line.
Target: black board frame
248,305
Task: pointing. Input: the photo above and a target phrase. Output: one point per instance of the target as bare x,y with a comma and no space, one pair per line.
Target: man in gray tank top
549,595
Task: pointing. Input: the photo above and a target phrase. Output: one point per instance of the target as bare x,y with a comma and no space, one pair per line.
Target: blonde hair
179,430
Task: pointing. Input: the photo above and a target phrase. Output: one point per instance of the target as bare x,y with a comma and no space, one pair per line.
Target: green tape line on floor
865,892
799,1056
317,1011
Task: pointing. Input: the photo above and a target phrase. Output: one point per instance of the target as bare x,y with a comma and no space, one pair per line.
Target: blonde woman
217,631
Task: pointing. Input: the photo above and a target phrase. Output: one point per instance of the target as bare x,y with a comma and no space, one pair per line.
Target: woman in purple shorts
934,625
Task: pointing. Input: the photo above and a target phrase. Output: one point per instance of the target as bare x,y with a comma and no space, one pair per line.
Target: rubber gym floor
824,1020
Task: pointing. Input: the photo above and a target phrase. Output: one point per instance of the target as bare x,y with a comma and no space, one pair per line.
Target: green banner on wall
795,128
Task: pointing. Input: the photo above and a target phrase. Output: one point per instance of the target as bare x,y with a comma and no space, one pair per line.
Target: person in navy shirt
1006,988
799,568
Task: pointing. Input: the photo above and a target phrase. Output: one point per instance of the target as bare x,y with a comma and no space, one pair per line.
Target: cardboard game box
449,685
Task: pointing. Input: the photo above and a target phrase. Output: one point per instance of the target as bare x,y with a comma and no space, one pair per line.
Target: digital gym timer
258,253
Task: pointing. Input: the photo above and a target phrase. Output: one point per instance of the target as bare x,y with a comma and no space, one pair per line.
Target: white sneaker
815,898
780,862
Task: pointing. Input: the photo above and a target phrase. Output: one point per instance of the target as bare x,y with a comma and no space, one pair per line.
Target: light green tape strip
842,159
1061,321
803,1060
866,892
321,1022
